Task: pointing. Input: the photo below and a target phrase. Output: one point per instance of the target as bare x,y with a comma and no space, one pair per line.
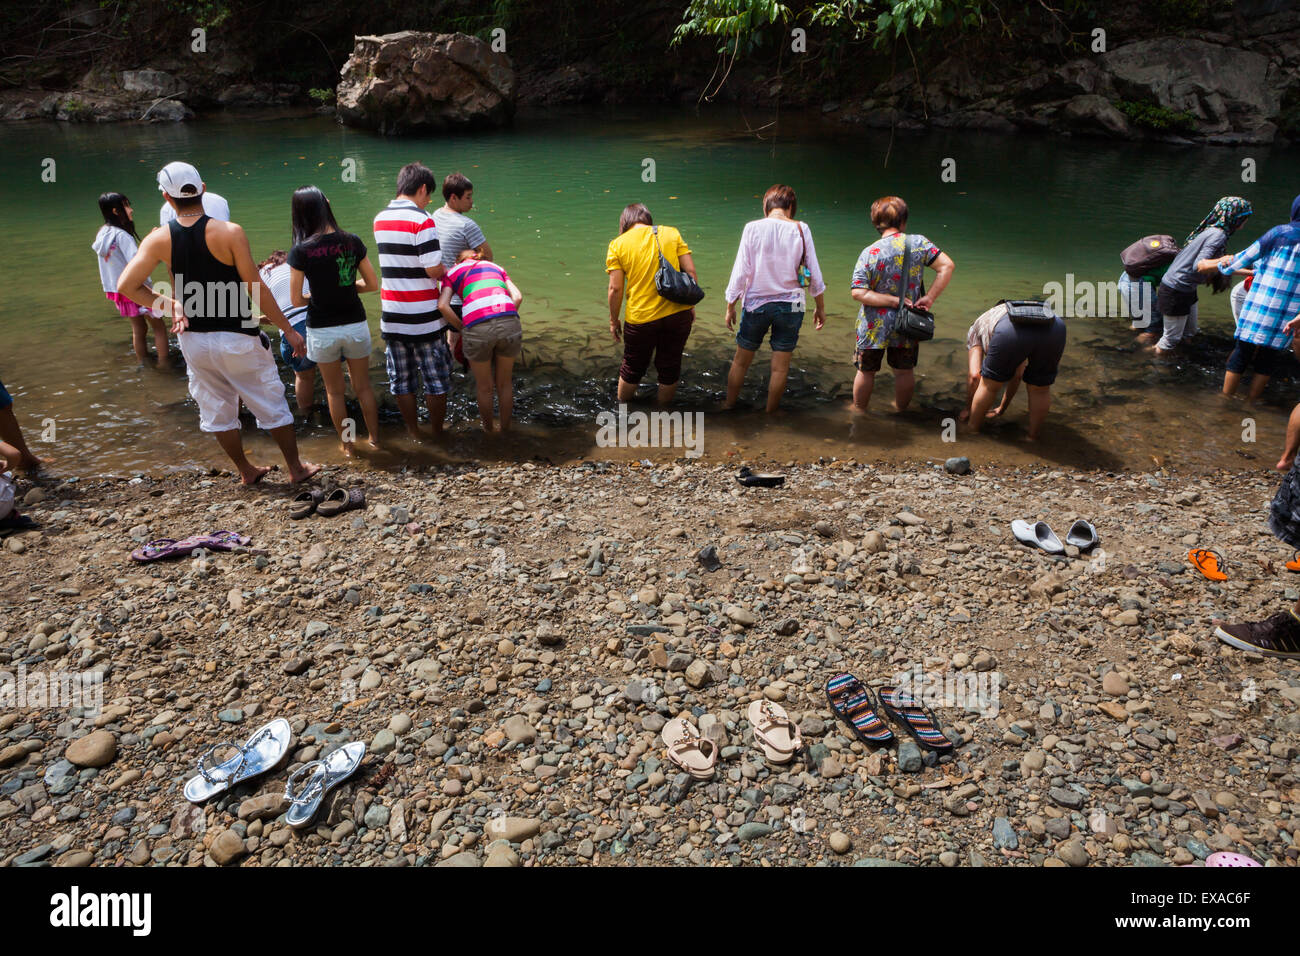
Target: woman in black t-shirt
336,266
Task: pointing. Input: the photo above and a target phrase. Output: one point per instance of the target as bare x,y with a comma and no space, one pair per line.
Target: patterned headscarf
1228,214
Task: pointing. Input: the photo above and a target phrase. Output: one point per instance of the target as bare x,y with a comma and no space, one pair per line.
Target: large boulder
1226,89
414,82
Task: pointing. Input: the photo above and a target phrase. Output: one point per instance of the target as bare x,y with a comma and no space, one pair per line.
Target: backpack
1149,254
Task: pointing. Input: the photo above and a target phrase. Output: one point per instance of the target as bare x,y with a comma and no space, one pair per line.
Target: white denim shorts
337,342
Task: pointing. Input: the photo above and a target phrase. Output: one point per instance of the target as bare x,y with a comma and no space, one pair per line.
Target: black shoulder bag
1029,311
914,323
672,284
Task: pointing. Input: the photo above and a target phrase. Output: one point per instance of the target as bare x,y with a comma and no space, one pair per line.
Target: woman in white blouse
775,264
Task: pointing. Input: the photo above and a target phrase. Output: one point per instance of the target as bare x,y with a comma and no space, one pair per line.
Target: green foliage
202,13
741,24
1151,116
321,96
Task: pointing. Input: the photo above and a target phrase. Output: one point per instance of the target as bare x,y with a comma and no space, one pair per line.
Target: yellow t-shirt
636,254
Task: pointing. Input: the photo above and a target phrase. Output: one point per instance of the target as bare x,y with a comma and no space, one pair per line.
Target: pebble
96,749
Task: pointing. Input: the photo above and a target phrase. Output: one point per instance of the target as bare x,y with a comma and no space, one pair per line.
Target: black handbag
672,284
911,322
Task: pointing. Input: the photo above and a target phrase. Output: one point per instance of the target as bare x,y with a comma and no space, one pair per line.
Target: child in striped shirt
491,333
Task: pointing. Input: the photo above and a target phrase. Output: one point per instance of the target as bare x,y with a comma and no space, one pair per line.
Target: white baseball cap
180,181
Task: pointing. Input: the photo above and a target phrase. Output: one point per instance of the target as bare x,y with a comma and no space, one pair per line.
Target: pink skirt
126,306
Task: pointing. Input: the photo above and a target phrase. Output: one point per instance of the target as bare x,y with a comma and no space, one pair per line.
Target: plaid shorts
1284,513
432,360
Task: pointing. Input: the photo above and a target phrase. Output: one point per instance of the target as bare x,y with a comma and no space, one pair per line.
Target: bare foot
857,410
963,415
372,445
303,472
415,434
1284,463
254,474
347,449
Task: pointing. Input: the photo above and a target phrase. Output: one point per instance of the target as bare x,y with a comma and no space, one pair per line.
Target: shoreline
456,627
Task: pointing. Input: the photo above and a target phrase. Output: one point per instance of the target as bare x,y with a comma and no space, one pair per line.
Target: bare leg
1040,400
1012,387
736,376
974,362
1257,386
233,446
776,384
1231,380
503,369
437,405
983,401
626,390
304,390
863,384
160,343
483,386
331,374
904,385
13,436
139,338
299,470
359,372
406,405
1288,454
666,393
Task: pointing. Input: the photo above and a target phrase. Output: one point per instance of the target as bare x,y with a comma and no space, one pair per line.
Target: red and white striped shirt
407,240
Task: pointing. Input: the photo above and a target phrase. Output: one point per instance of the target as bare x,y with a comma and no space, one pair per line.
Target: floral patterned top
879,269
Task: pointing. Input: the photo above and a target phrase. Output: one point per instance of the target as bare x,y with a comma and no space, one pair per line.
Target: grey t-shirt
1182,275
456,233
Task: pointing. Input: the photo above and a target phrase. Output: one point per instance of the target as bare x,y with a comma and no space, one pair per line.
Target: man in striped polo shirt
410,265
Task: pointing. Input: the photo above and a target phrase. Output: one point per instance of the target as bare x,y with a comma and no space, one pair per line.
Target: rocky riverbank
508,641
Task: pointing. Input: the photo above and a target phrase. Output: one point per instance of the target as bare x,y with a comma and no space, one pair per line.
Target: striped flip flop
851,702
917,719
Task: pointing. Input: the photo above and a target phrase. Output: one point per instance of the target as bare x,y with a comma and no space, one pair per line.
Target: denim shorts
337,342
303,364
783,318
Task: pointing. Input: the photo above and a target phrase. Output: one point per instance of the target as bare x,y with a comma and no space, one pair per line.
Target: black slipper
752,479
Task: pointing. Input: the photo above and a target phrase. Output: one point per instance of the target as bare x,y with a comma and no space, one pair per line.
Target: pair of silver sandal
265,750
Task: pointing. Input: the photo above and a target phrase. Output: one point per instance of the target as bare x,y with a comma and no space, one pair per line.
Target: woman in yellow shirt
653,327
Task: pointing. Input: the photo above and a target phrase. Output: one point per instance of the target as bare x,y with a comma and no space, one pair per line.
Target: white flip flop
263,752
774,732
1082,535
1037,535
322,776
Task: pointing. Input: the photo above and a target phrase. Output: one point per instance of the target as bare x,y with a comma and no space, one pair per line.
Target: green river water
1022,212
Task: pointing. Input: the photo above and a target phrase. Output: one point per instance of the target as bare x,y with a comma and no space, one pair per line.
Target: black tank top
210,291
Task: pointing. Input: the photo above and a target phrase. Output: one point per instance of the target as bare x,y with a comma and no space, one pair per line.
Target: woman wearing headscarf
1177,295
1264,323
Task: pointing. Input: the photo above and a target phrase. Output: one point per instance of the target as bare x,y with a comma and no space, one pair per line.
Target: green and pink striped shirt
481,286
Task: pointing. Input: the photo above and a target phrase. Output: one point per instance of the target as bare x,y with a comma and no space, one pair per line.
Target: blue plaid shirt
1274,296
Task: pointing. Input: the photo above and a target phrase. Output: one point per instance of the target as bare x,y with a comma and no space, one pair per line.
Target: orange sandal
1209,562
1294,563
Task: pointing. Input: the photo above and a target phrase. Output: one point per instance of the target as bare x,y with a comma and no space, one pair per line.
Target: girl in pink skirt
115,244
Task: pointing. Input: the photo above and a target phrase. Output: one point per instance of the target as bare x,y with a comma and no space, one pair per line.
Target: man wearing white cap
228,357
214,205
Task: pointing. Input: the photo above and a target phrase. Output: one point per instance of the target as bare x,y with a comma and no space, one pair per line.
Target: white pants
1177,328
225,367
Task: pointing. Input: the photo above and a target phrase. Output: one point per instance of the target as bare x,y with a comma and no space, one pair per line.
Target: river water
1021,213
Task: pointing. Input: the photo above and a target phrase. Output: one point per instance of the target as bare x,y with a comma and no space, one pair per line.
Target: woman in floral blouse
876,284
